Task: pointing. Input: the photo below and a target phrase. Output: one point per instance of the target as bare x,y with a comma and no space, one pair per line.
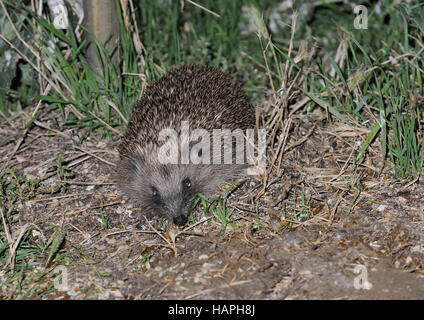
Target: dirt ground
363,238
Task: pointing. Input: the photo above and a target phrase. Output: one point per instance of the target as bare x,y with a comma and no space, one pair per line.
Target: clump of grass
302,214
25,255
84,97
16,188
378,84
104,217
63,171
217,207
27,261
144,258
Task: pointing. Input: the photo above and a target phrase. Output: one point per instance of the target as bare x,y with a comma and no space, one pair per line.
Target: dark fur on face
166,189
207,99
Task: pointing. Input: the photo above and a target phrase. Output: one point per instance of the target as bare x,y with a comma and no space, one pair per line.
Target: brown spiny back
204,96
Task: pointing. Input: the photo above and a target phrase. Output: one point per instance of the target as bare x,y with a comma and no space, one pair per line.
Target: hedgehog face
171,198
166,189
161,189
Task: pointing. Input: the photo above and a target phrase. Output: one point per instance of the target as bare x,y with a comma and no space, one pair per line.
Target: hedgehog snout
180,220
178,211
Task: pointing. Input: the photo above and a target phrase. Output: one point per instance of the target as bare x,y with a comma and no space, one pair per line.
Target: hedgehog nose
180,220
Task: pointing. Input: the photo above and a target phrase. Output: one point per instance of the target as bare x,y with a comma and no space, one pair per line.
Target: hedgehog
195,96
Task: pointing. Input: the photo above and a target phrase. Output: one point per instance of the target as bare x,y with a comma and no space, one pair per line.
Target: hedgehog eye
155,193
187,183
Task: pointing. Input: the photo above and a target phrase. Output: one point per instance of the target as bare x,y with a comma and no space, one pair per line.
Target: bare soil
359,224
